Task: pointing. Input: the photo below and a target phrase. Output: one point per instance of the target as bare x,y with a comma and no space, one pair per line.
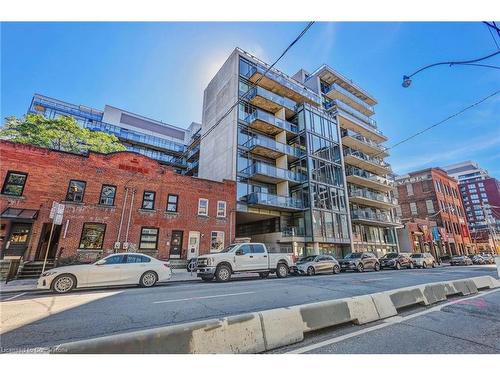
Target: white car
115,269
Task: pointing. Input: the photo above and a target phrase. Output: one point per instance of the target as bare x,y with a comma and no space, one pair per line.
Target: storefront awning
19,214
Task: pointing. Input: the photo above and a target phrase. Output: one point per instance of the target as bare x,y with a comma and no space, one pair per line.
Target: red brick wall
49,173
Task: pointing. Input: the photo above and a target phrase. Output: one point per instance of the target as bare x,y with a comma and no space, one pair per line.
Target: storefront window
217,241
92,236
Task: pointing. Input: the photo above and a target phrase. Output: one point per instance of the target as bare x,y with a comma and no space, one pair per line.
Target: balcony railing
273,120
192,152
259,91
271,144
367,141
374,216
294,232
285,81
372,195
353,171
361,102
259,168
158,155
353,112
266,199
363,156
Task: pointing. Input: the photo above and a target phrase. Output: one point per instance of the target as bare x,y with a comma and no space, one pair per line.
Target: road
37,319
465,325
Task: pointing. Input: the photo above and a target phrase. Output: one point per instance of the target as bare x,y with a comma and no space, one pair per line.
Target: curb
270,329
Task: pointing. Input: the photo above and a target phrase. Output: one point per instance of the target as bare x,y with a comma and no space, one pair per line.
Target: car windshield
229,248
353,255
417,255
390,256
307,259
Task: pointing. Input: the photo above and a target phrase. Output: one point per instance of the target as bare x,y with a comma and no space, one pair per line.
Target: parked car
313,264
243,257
359,262
478,259
115,269
423,260
396,261
488,258
461,260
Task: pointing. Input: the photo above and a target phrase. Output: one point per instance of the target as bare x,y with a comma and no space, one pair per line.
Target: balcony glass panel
361,155
273,200
259,91
334,86
353,171
270,119
353,192
359,137
274,145
361,214
269,170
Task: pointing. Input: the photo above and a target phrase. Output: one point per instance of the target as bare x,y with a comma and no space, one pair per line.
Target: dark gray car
359,262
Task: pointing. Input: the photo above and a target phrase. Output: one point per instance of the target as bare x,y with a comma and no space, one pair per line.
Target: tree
62,133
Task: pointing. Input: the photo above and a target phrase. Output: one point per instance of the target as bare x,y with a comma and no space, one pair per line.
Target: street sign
58,219
53,209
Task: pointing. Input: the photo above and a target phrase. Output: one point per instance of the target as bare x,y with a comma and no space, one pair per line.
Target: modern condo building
306,157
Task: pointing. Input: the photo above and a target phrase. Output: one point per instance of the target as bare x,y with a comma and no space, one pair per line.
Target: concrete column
280,114
315,248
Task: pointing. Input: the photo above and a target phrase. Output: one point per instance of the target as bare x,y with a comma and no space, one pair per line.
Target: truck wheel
223,273
282,270
263,275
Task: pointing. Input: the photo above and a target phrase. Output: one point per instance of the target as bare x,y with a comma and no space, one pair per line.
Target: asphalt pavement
41,319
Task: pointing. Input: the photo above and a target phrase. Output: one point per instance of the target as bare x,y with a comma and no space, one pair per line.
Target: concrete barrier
266,330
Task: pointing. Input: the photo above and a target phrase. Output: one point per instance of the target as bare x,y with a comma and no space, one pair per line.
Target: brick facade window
108,193
217,241
221,209
172,203
92,236
203,207
149,238
148,200
76,190
14,183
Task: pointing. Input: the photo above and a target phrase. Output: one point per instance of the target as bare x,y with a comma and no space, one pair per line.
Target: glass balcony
268,147
373,217
294,232
370,198
361,177
192,152
269,101
354,140
335,91
271,200
158,155
271,174
369,163
268,123
367,120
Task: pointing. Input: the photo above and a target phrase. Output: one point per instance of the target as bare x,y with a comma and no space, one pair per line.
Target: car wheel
411,266
207,278
282,270
263,275
64,283
434,264
376,267
223,273
398,266
424,265
148,279
310,271
336,269
360,267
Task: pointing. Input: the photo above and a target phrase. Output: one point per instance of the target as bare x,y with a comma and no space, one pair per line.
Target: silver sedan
313,264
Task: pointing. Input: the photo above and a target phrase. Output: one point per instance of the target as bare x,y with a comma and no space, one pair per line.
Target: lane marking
11,298
204,297
387,322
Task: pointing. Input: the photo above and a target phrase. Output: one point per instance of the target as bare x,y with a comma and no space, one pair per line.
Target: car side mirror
100,262
239,252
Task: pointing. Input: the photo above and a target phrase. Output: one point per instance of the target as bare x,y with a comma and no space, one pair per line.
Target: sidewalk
30,284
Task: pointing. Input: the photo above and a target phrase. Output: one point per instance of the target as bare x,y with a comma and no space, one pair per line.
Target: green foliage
61,133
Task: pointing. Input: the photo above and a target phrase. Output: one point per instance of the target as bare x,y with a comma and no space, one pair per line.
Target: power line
493,25
492,36
439,123
258,80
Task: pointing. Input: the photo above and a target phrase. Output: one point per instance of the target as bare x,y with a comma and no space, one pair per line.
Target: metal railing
365,140
271,171
360,214
353,171
273,200
363,156
353,192
350,95
281,100
274,145
372,124
273,120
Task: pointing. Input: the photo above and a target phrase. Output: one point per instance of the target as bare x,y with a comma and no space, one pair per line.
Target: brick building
431,194
118,201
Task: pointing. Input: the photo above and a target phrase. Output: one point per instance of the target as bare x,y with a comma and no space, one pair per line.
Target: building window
221,209
413,208
399,213
217,241
203,207
14,183
108,193
92,236
148,200
149,238
76,190
430,206
409,189
172,201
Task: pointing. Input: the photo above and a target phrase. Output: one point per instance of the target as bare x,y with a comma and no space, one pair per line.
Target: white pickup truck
242,258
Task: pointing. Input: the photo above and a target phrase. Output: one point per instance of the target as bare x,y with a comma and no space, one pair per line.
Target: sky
160,70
